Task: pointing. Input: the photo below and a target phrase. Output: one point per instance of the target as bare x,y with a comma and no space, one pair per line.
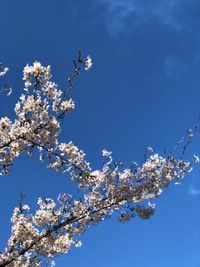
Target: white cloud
176,67
171,66
120,15
115,13
193,191
167,12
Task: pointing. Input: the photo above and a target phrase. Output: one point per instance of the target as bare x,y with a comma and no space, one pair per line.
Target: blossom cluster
54,228
111,190
37,123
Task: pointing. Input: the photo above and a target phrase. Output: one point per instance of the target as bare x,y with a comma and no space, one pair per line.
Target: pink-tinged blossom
56,225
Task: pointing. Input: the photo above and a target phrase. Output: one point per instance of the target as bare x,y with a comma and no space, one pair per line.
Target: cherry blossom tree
36,237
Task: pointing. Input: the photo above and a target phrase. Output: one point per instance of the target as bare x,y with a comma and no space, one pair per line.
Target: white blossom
3,71
196,159
88,63
57,224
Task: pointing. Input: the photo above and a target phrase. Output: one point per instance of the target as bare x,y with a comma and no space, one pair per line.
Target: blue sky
144,89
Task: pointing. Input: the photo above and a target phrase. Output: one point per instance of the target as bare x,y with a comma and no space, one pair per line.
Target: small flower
151,205
196,159
106,153
3,71
67,105
149,149
78,244
88,63
190,133
25,207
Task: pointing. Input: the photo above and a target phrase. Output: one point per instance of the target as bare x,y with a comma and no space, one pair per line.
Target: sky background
143,90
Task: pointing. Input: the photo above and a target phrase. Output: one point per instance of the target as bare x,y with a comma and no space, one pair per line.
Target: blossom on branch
36,237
